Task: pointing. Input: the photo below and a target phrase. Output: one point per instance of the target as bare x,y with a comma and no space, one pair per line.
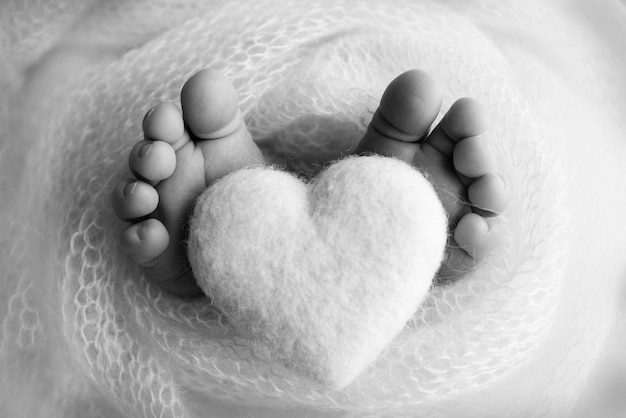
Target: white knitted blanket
83,335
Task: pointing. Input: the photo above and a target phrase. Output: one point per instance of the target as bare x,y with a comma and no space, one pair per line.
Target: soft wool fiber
82,334
322,276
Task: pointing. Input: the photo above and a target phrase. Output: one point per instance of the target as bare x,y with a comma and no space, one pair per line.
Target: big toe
211,112
210,105
407,110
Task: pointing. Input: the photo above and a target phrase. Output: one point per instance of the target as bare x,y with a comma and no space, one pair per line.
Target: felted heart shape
323,275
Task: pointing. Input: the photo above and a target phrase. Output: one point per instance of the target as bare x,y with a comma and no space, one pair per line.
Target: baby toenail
147,115
130,188
141,233
502,181
485,227
145,149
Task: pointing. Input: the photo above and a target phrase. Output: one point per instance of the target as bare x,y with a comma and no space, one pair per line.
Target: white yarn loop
308,80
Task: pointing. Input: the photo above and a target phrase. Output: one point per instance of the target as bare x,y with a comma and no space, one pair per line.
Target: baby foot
455,156
179,158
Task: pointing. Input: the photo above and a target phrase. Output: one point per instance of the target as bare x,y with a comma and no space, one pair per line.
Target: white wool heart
323,275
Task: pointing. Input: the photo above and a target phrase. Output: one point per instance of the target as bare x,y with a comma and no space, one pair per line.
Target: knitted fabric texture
82,333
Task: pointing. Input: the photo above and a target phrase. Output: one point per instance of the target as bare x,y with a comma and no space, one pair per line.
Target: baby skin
184,152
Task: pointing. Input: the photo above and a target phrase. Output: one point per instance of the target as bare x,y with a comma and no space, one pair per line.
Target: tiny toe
467,117
132,199
489,193
472,157
472,235
164,123
210,105
145,241
152,160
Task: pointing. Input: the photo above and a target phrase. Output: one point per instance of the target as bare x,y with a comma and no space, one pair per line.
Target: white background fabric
531,332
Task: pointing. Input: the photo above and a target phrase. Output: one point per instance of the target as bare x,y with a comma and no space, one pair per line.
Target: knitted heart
324,275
